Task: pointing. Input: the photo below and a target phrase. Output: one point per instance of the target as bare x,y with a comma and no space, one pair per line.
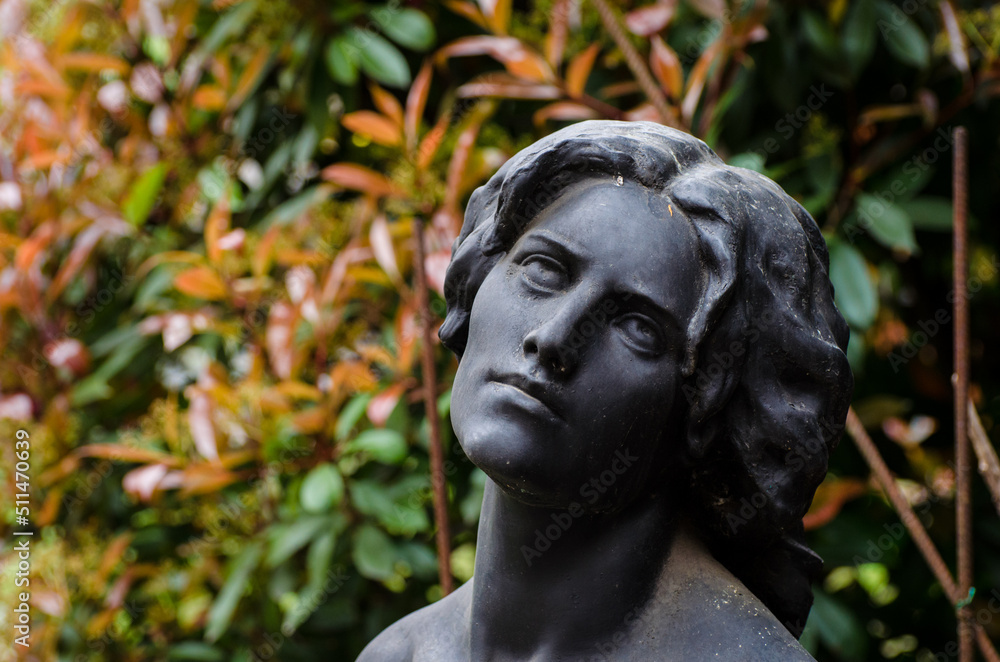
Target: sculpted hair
766,379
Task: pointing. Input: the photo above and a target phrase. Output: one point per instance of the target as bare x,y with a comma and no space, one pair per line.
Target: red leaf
519,60
435,267
381,406
667,68
202,283
379,128
579,70
385,252
359,178
416,100
650,20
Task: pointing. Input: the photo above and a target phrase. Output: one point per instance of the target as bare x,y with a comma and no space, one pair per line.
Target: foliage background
207,311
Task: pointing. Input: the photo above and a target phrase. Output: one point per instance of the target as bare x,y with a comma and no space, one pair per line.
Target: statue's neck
554,581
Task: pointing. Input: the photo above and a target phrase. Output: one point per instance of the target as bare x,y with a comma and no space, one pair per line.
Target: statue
652,374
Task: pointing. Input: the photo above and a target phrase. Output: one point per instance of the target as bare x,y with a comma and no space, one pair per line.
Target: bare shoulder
438,632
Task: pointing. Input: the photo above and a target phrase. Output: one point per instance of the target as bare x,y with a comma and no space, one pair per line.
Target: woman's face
575,342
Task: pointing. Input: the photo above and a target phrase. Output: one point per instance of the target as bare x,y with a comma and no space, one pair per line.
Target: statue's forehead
631,236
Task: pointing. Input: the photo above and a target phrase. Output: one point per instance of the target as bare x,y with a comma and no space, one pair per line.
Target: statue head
633,317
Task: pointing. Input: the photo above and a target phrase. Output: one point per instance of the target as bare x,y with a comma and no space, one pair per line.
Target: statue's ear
710,376
718,264
706,400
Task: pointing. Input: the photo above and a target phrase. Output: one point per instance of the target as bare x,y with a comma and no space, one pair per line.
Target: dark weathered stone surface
652,374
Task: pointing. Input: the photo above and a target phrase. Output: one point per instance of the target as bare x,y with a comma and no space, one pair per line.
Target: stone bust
652,373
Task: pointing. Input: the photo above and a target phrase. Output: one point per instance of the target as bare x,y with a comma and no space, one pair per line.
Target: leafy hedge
207,308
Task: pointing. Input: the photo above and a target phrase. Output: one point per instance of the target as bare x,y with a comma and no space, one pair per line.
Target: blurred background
208,313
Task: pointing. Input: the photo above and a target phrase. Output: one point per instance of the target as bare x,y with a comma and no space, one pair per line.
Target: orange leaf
652,19
380,407
205,478
113,555
497,14
385,252
667,68
460,161
579,70
555,40
94,62
122,453
279,338
265,249
311,421
298,390
699,75
82,248
830,497
216,225
249,78
200,415
519,60
387,103
201,282
359,178
507,87
564,111
431,142
467,10
378,127
209,97
406,337
416,101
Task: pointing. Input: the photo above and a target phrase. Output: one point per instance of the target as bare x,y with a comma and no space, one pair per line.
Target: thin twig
636,64
963,469
917,532
988,462
430,407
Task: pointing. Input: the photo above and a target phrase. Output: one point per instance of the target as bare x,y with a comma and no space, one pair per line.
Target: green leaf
221,613
322,488
379,58
838,628
472,504
320,555
856,296
142,197
820,35
400,508
350,415
929,213
373,553
905,40
407,27
194,651
420,558
291,210
384,445
288,539
749,160
886,222
232,23
858,37
463,561
317,564
339,62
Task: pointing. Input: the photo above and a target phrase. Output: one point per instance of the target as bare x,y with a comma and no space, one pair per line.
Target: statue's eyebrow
643,303
559,243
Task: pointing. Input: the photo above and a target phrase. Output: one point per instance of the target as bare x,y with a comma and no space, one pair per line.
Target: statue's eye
543,272
641,332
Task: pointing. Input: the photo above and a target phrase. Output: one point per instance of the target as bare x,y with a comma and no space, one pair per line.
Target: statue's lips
530,394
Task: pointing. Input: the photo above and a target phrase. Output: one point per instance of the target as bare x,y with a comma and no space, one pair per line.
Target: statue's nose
557,340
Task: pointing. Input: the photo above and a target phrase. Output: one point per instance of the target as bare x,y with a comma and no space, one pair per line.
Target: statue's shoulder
439,632
717,618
